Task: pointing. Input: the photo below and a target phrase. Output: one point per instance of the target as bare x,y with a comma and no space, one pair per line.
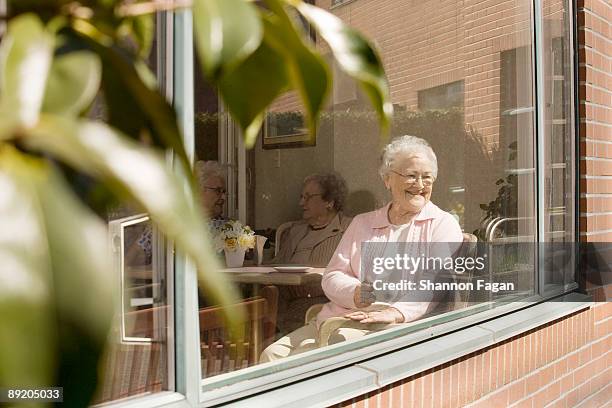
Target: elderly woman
211,179
409,169
311,241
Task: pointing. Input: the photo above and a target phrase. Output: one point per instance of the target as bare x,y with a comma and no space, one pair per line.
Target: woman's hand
364,295
388,315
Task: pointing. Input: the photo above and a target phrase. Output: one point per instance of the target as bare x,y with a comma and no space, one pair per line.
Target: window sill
166,399
366,376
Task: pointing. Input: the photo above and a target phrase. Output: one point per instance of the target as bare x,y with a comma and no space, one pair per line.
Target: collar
333,226
381,218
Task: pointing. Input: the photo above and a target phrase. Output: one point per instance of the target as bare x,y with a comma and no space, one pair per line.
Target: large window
487,86
140,354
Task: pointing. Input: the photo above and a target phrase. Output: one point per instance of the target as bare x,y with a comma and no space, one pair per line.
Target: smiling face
407,196
213,196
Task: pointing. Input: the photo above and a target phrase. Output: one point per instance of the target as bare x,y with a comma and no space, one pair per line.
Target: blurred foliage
59,59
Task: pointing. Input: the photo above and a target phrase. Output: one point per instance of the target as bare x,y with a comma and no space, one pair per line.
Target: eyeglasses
218,190
307,196
427,180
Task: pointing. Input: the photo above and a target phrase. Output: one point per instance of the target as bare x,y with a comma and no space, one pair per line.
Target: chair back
279,235
222,351
135,367
468,249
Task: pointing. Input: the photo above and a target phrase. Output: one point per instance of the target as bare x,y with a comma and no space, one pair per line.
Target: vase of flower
234,239
235,258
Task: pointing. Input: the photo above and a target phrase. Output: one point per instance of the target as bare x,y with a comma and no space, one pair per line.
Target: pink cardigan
341,276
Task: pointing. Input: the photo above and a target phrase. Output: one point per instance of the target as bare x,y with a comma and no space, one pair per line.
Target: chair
468,248
279,234
220,352
136,367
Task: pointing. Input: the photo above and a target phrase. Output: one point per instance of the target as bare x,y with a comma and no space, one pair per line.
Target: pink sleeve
340,280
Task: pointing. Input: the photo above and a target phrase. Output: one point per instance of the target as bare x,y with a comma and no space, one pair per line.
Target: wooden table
266,275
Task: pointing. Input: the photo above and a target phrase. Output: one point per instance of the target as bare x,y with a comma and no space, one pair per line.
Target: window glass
558,141
139,357
461,78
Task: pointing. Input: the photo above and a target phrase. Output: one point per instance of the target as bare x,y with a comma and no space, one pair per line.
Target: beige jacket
324,247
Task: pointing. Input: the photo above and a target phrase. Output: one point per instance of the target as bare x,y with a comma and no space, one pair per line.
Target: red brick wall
595,90
567,363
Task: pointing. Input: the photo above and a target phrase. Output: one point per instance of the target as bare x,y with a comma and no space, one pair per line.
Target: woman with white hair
211,179
409,169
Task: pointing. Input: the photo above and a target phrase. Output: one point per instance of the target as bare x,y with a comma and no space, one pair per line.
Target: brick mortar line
544,367
597,232
604,388
596,122
594,86
593,14
595,195
562,396
597,105
589,11
587,215
596,33
604,321
589,177
586,139
598,70
561,379
595,158
594,50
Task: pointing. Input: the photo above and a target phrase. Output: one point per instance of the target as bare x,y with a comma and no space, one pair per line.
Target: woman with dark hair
311,241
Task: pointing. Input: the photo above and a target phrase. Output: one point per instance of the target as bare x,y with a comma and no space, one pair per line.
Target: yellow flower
246,241
231,243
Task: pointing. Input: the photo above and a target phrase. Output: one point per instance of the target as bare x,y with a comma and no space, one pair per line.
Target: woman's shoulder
446,224
371,218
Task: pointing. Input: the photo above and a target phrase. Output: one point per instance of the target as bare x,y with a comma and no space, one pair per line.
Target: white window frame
191,390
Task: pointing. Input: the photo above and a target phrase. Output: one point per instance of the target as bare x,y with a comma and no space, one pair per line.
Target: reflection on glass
462,79
558,142
137,360
139,357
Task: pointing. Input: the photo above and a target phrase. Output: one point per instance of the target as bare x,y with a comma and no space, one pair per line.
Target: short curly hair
333,188
406,146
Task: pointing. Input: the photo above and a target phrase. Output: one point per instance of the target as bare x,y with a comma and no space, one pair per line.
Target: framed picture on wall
284,130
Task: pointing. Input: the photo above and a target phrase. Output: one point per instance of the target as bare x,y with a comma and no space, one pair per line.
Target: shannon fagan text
427,285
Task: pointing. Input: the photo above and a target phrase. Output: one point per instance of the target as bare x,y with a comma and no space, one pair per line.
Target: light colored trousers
304,339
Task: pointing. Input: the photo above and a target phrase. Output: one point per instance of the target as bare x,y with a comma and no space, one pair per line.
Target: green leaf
143,29
25,60
138,173
263,77
355,56
73,83
133,104
83,284
227,31
308,71
27,339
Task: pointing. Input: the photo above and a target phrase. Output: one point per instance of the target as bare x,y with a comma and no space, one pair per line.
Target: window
442,97
140,356
493,106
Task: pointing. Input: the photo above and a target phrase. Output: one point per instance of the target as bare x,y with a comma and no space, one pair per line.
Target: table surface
312,275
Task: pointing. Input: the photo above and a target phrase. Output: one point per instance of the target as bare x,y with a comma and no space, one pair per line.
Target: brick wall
567,363
595,90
